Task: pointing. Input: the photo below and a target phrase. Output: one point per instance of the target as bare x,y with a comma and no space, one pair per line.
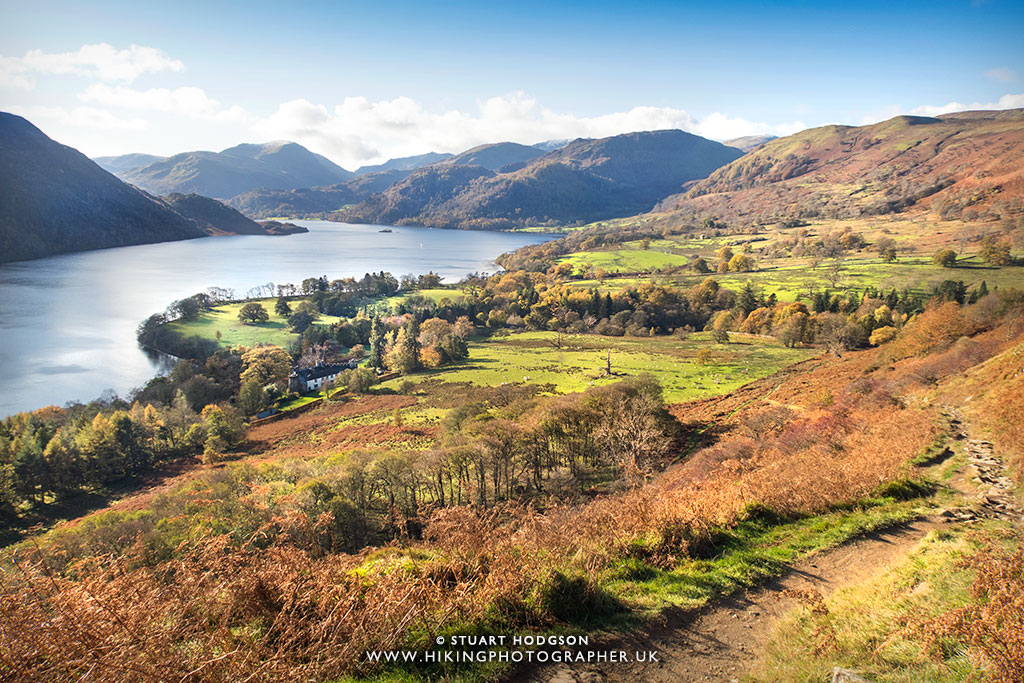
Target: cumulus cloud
80,117
359,131
186,101
100,61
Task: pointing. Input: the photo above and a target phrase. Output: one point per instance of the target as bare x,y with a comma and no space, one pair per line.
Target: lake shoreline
69,321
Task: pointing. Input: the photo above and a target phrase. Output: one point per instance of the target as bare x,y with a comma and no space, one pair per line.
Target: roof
319,371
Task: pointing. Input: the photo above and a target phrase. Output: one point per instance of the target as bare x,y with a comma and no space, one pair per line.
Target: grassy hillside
956,165
224,319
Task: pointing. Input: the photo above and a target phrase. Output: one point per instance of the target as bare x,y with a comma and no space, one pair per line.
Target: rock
841,675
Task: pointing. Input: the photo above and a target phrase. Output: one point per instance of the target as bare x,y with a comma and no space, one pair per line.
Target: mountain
584,180
952,165
552,145
748,143
126,162
422,194
278,165
212,216
265,202
56,200
494,156
405,163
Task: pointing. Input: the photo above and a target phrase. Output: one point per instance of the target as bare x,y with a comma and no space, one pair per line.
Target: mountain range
277,165
56,200
951,165
581,181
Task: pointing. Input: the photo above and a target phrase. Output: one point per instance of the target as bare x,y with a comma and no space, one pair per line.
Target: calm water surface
67,323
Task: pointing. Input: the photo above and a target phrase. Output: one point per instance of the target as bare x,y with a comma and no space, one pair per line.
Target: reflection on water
67,323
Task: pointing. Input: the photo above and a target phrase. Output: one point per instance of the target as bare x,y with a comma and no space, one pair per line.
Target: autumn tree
265,364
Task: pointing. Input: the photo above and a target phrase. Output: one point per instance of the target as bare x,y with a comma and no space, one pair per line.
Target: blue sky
363,81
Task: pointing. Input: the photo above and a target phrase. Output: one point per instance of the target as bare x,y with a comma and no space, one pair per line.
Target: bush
882,335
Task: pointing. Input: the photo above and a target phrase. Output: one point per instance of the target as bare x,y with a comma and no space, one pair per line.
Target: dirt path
718,643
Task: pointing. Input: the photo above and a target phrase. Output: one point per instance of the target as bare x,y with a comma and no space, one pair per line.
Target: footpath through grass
632,591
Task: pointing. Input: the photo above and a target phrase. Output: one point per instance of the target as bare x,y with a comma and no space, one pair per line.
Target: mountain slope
405,163
582,181
963,164
494,156
266,202
56,200
126,162
237,170
749,143
214,217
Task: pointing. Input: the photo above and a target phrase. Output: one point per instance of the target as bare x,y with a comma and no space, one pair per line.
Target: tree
945,258
300,321
253,313
995,252
402,356
281,307
251,397
265,364
835,270
377,342
740,263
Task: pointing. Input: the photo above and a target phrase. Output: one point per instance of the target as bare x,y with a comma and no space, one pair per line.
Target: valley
756,409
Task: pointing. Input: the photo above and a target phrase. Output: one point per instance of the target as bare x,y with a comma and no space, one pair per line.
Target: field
234,332
791,278
533,358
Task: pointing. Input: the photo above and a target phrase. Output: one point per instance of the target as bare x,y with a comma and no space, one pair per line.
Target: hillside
405,163
966,165
748,143
424,193
216,218
584,180
126,162
495,156
278,165
266,202
56,200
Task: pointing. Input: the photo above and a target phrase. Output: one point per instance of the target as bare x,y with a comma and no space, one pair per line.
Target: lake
67,323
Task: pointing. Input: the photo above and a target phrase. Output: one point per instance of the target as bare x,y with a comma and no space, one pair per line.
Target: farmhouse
311,379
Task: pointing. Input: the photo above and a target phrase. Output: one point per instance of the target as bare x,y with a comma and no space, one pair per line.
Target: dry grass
219,611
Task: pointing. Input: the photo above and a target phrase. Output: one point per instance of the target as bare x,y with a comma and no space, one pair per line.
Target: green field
434,295
531,357
790,281
234,332
624,260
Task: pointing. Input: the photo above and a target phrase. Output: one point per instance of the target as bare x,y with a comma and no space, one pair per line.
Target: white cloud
14,74
358,131
1002,74
79,117
100,61
186,101
1008,101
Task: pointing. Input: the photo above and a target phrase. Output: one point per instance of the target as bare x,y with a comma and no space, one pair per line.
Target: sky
363,82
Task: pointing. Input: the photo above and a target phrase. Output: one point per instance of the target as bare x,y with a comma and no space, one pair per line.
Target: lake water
67,323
